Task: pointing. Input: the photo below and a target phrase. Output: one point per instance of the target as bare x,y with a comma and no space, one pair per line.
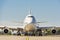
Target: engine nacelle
53,31
6,30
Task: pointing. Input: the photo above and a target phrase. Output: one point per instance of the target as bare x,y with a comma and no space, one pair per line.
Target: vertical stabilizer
30,11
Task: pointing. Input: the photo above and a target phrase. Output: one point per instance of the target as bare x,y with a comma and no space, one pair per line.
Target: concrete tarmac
12,37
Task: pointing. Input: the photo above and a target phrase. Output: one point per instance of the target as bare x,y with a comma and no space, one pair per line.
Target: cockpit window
30,16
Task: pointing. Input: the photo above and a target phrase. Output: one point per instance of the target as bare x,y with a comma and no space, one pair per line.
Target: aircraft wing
42,22
17,22
16,28
11,28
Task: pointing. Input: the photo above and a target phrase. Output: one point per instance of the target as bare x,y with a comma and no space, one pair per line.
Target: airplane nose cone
29,27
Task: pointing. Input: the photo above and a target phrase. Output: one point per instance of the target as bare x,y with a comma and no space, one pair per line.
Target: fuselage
30,23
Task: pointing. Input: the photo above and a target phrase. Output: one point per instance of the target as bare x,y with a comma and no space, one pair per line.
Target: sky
43,10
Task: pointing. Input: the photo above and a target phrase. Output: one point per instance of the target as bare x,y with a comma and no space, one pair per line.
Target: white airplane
29,24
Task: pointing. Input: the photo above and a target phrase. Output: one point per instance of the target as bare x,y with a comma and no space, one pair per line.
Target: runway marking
27,38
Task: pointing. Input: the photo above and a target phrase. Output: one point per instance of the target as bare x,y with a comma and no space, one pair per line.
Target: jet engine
6,30
53,31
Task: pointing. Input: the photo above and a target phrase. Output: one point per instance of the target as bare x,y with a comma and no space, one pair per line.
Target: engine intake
6,30
53,31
